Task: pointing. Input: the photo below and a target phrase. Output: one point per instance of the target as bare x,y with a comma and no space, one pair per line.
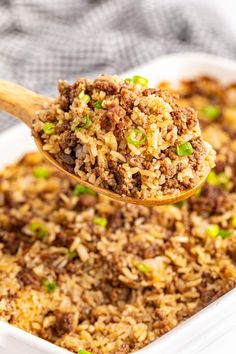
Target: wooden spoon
23,104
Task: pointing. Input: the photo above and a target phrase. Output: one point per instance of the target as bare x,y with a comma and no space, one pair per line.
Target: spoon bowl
23,104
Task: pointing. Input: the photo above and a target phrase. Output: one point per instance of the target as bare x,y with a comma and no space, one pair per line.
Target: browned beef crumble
63,324
27,277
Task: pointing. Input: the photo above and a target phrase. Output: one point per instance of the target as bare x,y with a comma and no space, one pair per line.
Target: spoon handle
20,102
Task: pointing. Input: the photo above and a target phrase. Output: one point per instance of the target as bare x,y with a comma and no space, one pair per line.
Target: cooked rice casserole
87,273
127,138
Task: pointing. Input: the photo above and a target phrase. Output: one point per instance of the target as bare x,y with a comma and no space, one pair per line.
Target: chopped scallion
218,180
39,229
82,351
83,122
210,112
224,233
48,128
72,254
50,285
143,268
81,189
179,204
100,221
41,172
184,149
136,137
139,80
98,104
213,230
84,97
212,178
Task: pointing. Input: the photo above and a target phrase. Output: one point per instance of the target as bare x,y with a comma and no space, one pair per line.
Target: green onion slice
212,179
210,112
80,189
98,104
100,221
83,122
72,254
39,229
82,351
136,137
218,180
143,268
224,233
50,285
128,79
48,128
180,204
184,149
139,80
41,172
213,230
84,97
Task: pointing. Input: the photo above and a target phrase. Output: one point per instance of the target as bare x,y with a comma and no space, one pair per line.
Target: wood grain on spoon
23,104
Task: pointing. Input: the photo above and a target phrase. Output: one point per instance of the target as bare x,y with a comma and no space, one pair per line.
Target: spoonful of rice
117,137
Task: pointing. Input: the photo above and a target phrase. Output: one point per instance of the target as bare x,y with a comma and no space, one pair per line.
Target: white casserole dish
200,333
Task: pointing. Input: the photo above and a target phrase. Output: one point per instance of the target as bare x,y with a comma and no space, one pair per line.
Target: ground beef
143,250
109,118
64,323
167,168
126,101
184,118
125,348
198,146
87,201
10,241
107,121
121,127
220,165
150,91
63,240
113,269
213,200
118,176
60,128
27,277
115,220
67,161
65,95
106,85
68,140
137,180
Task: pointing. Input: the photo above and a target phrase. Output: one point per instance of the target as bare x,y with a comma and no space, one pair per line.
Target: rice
84,272
109,126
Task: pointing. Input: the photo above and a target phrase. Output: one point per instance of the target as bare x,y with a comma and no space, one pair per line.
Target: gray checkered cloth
42,41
